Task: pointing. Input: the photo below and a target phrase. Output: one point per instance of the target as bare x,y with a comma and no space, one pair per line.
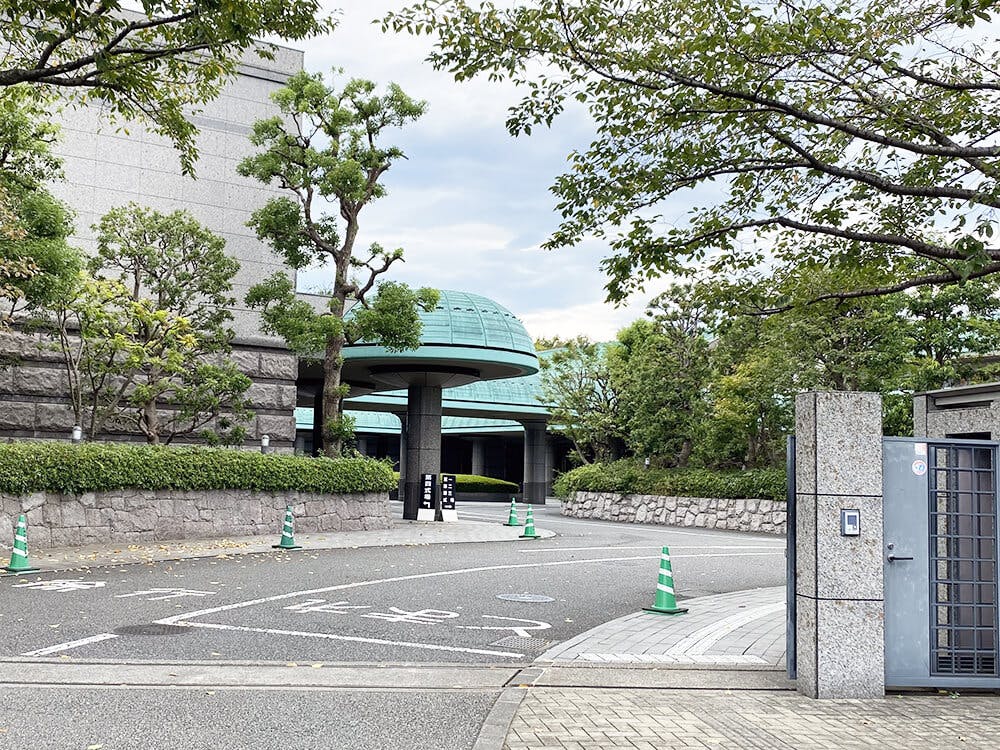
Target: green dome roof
465,319
466,338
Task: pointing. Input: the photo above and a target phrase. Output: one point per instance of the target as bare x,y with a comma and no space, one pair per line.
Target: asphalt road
429,605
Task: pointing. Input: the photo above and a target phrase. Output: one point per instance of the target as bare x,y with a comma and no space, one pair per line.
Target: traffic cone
512,518
665,602
19,555
287,533
529,527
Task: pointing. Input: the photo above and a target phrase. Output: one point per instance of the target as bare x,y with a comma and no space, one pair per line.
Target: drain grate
153,628
525,644
526,598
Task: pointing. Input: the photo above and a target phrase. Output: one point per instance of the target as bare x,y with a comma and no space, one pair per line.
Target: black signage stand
448,511
428,498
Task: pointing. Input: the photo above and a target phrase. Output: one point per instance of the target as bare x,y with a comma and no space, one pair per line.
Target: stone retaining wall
56,520
760,516
34,392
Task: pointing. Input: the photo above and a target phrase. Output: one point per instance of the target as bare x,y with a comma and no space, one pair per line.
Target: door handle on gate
893,558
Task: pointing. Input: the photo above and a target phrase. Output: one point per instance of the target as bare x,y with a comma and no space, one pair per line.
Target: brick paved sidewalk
743,628
596,719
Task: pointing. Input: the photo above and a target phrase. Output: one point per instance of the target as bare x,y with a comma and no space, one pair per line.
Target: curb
493,733
53,560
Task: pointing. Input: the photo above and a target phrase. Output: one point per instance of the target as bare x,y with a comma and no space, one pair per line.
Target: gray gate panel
907,647
941,605
791,607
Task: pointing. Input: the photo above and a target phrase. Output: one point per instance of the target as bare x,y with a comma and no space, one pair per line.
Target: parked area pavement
403,533
391,640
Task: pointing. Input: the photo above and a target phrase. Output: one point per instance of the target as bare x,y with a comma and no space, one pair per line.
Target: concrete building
971,412
107,164
476,362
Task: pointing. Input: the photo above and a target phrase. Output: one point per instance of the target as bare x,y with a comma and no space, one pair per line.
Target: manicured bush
472,483
94,467
630,477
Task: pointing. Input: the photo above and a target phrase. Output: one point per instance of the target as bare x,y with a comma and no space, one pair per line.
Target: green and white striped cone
512,518
529,527
19,555
287,532
665,602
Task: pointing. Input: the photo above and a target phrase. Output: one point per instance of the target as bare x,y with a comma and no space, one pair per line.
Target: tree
137,337
37,264
36,261
839,134
954,329
156,65
579,382
664,372
327,146
544,343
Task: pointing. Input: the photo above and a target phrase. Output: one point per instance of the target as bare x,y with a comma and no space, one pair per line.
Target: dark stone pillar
423,442
550,454
318,423
479,456
402,455
535,463
364,446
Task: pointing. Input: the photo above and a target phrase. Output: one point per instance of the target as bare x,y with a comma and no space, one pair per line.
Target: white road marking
649,546
62,585
165,593
356,639
520,630
417,617
176,619
70,645
541,521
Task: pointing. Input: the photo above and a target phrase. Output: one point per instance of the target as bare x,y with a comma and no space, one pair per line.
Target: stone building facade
108,164
971,412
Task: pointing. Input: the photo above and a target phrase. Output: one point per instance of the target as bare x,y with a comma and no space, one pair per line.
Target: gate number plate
850,522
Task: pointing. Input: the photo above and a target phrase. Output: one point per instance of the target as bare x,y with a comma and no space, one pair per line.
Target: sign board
428,493
448,511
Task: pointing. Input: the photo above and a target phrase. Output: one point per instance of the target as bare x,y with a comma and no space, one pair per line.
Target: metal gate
940,563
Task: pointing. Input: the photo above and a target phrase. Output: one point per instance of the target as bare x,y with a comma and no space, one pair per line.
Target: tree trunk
332,396
685,455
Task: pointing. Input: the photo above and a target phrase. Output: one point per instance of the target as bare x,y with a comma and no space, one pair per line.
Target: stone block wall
759,516
56,520
34,392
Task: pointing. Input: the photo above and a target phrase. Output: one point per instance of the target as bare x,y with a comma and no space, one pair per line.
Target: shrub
630,477
473,483
95,467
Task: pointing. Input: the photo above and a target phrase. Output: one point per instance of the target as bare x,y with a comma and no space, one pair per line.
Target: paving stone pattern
760,516
596,719
740,628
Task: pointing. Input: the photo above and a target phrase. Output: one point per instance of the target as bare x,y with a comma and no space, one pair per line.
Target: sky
471,205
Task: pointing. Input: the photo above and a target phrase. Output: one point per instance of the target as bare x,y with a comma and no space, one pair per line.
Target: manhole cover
526,644
152,628
528,598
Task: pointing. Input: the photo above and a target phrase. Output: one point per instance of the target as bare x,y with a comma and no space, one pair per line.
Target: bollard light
265,442
646,462
77,433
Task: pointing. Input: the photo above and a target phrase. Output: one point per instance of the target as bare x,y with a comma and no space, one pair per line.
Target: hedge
95,467
630,477
473,483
